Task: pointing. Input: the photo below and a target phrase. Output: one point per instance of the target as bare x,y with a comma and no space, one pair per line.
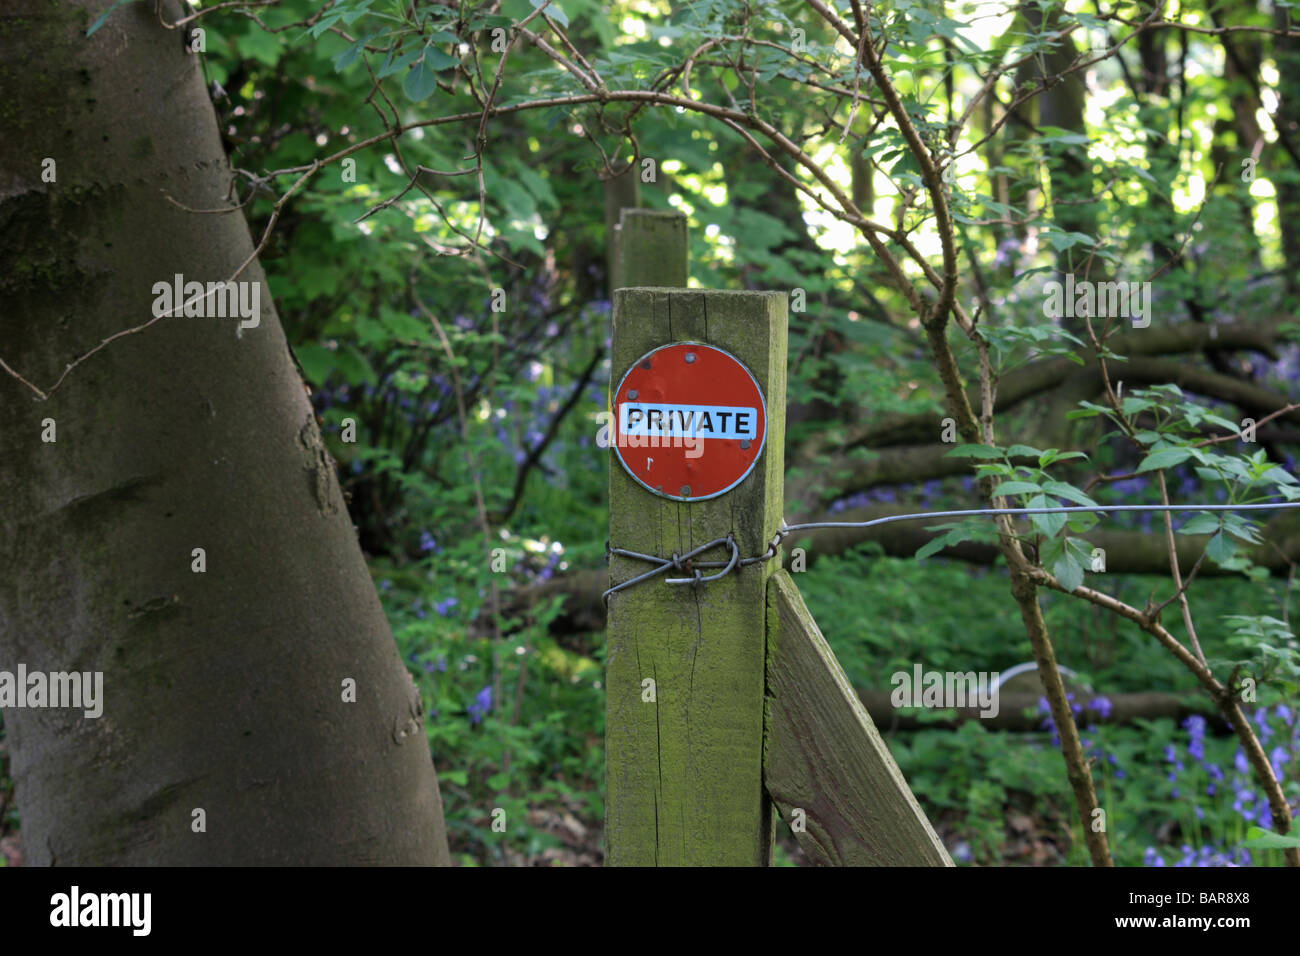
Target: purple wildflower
482,704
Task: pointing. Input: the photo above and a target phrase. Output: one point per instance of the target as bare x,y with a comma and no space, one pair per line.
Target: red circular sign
689,421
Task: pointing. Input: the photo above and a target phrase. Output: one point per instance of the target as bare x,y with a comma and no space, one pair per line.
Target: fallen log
1018,710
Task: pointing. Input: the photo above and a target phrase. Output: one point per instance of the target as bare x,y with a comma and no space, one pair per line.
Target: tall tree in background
228,675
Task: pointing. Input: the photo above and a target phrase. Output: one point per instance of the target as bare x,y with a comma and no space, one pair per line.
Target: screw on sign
690,421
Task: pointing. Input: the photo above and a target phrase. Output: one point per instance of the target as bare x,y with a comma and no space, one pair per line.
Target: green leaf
1068,571
439,60
422,80
1067,491
350,53
324,23
1132,405
1025,451
1241,528
317,362
1260,839
1049,525
458,777
391,66
933,546
1052,455
1201,524
1164,458
1016,488
553,11
1220,549
490,21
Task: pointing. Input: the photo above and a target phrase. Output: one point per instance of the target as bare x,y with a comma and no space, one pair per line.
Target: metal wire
677,562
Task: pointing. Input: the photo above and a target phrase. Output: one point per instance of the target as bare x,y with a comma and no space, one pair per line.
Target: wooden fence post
724,698
621,192
650,249
826,766
685,663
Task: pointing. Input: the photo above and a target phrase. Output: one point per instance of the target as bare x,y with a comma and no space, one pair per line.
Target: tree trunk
224,691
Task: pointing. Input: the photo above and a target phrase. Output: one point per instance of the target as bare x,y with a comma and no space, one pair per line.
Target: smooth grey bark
224,689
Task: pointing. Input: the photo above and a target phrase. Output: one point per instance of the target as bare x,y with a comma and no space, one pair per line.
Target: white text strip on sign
688,421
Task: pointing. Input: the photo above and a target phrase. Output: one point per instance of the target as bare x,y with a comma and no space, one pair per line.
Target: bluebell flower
1284,714
1265,814
1101,706
1240,762
1278,758
443,608
427,542
1265,731
482,704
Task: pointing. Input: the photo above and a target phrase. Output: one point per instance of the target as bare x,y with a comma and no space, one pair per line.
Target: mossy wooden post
827,768
684,771
621,192
650,249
